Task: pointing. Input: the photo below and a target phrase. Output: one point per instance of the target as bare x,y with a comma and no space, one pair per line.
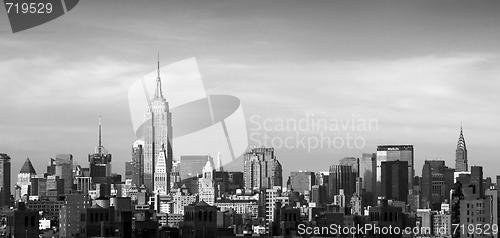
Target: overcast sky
418,68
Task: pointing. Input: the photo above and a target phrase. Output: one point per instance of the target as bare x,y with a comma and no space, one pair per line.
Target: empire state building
157,134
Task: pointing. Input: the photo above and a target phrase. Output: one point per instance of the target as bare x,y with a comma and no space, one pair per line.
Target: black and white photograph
236,118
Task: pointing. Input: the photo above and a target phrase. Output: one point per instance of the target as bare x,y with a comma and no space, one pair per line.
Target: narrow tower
100,161
157,133
461,154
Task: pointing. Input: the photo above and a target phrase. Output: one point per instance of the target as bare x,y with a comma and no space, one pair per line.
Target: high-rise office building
70,214
393,153
394,183
461,154
100,161
302,181
351,161
235,180
436,183
64,169
261,169
51,168
24,178
4,180
138,163
341,177
477,180
129,171
367,168
157,133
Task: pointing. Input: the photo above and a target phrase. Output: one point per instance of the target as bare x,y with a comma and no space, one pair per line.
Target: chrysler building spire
461,163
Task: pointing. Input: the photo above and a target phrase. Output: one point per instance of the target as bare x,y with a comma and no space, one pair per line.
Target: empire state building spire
461,154
158,92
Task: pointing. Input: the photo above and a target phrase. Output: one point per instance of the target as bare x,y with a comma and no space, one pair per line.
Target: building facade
461,163
261,169
393,153
5,192
157,134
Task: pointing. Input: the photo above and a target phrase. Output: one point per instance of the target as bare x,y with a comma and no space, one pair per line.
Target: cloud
418,100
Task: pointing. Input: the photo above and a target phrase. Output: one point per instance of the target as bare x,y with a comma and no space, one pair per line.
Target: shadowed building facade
4,180
395,180
341,177
100,162
393,153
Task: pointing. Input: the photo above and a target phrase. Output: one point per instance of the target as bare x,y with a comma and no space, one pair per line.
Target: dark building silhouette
235,181
341,177
319,194
384,215
5,193
477,180
436,183
393,153
70,214
395,180
286,221
138,163
100,161
22,222
200,220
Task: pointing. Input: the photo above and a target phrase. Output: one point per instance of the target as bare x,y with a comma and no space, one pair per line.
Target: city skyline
398,67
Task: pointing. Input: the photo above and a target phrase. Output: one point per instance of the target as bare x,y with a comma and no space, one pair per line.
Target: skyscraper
461,154
261,169
157,134
477,180
351,161
206,186
367,167
394,180
24,178
100,161
138,163
436,183
393,153
64,169
4,180
341,177
302,181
